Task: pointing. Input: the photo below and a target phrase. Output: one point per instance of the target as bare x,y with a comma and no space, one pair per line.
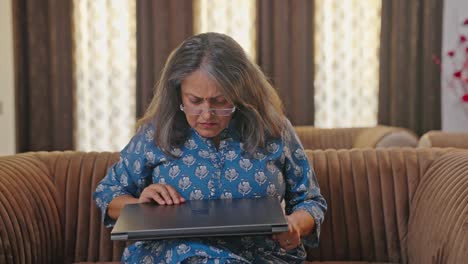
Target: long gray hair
259,111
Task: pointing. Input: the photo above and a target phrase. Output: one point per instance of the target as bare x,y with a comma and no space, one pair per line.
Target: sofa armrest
384,137
441,139
438,224
30,230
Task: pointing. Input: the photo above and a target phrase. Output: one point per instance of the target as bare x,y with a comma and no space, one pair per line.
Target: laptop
200,218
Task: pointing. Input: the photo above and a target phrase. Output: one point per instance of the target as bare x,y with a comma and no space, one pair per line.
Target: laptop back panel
200,218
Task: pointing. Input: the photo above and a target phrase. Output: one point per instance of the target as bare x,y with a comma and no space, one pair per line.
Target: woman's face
200,93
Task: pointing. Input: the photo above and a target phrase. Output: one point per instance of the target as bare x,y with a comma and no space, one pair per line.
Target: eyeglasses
199,110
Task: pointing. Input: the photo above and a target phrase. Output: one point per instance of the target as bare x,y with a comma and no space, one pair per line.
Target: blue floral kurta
204,172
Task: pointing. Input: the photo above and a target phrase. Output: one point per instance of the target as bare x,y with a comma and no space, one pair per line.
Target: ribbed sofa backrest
327,138
76,174
369,193
355,137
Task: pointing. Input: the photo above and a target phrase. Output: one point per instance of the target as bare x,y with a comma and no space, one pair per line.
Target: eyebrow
209,98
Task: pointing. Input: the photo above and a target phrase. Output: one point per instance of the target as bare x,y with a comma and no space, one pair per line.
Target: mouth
207,124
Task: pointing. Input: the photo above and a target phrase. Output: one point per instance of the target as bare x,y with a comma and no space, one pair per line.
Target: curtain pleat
43,74
411,35
161,26
285,54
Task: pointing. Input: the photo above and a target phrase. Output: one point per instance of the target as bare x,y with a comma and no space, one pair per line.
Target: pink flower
465,98
457,57
462,38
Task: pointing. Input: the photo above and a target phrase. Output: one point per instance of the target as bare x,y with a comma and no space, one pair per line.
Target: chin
208,134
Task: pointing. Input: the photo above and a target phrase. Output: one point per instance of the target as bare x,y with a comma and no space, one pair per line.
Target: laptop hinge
119,237
279,229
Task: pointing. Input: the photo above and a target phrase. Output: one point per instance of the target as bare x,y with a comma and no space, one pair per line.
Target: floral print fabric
202,171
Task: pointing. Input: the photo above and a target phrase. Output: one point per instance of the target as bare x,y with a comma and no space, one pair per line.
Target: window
105,72
347,40
234,18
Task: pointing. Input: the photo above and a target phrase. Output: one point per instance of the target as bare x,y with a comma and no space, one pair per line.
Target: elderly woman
215,129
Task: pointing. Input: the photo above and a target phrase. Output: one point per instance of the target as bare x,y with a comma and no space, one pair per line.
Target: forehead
200,84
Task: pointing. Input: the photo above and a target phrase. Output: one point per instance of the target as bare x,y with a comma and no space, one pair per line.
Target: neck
216,141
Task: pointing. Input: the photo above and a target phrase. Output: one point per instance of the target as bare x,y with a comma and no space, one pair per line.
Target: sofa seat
307,262
347,262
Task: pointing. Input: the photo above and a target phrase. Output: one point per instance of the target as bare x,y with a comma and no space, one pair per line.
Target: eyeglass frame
210,110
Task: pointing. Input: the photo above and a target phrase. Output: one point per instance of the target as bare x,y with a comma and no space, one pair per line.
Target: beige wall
454,116
7,106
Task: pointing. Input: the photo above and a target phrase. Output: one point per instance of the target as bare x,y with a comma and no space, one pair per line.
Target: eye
220,101
195,100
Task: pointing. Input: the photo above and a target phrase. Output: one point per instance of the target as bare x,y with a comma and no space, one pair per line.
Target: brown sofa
385,205
358,137
443,139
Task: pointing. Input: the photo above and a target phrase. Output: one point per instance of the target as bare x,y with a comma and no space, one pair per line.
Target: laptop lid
200,218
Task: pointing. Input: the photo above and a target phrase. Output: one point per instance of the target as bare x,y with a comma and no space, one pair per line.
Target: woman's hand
300,223
162,194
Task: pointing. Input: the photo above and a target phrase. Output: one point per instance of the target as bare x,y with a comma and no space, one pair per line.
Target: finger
287,241
176,197
162,190
144,199
293,243
281,236
283,245
155,196
286,244
149,195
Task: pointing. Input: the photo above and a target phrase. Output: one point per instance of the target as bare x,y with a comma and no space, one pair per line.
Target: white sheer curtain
234,18
347,41
105,67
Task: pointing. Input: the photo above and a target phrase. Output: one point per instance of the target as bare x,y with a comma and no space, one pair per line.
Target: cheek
191,120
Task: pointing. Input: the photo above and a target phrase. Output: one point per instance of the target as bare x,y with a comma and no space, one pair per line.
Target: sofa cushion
115,262
30,228
440,199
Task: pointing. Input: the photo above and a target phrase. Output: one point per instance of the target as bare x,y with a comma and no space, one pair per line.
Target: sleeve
302,189
130,175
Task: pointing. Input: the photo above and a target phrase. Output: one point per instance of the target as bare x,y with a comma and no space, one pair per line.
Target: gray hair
259,111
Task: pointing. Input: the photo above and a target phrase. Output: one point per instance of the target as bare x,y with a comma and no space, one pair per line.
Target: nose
207,112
